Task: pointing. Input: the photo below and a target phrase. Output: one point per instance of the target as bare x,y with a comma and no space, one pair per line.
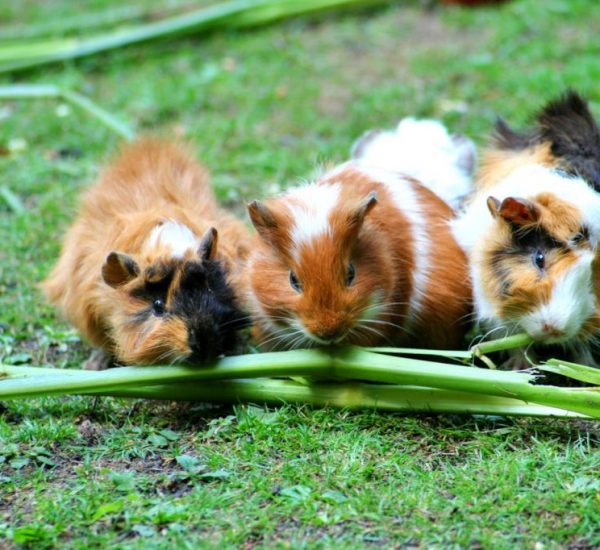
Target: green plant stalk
76,23
51,382
25,91
579,372
358,364
15,51
449,354
501,344
349,395
346,363
274,10
236,13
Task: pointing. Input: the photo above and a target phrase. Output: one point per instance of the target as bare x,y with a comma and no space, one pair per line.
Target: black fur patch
574,136
207,304
508,139
534,238
203,300
524,243
570,127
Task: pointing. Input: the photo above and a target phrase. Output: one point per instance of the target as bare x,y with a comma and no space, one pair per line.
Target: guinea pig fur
564,135
150,270
425,151
358,257
531,234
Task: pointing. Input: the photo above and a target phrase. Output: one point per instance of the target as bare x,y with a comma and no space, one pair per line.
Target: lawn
262,109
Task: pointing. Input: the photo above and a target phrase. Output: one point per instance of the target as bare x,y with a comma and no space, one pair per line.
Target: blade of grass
13,202
28,91
350,395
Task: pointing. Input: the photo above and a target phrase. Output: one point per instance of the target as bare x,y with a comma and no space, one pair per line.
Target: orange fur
496,164
152,181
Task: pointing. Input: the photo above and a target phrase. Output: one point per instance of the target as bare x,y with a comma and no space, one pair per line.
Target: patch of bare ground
381,54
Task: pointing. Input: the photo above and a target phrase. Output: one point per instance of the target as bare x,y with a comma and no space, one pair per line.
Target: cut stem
359,364
576,371
502,344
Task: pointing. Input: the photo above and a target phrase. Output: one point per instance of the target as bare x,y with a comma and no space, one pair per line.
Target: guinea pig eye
158,307
539,259
294,282
350,275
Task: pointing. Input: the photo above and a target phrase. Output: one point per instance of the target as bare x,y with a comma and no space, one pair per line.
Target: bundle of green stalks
234,14
391,379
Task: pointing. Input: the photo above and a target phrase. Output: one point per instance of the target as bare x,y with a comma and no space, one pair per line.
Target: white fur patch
177,236
527,182
311,208
423,149
406,200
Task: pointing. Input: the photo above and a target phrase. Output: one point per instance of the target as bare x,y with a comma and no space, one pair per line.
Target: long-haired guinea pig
149,271
361,256
531,232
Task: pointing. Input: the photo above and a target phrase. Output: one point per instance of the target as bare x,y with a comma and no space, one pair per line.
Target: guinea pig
424,150
150,270
531,232
361,256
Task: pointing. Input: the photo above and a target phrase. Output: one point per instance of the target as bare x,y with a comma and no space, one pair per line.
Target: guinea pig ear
493,205
262,218
208,244
518,211
119,269
357,216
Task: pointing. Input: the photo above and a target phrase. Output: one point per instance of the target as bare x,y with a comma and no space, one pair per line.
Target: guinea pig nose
330,334
550,330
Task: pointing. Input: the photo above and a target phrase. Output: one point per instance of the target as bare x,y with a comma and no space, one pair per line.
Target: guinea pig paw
99,360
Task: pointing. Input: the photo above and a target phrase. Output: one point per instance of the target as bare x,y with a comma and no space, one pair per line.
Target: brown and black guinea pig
149,271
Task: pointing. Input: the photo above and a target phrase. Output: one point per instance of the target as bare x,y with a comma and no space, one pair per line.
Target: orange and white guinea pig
149,271
531,231
364,255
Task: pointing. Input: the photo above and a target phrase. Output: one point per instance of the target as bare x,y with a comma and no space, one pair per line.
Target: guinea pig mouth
549,334
327,340
214,342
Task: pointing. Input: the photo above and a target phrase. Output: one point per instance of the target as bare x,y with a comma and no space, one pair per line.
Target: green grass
262,108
